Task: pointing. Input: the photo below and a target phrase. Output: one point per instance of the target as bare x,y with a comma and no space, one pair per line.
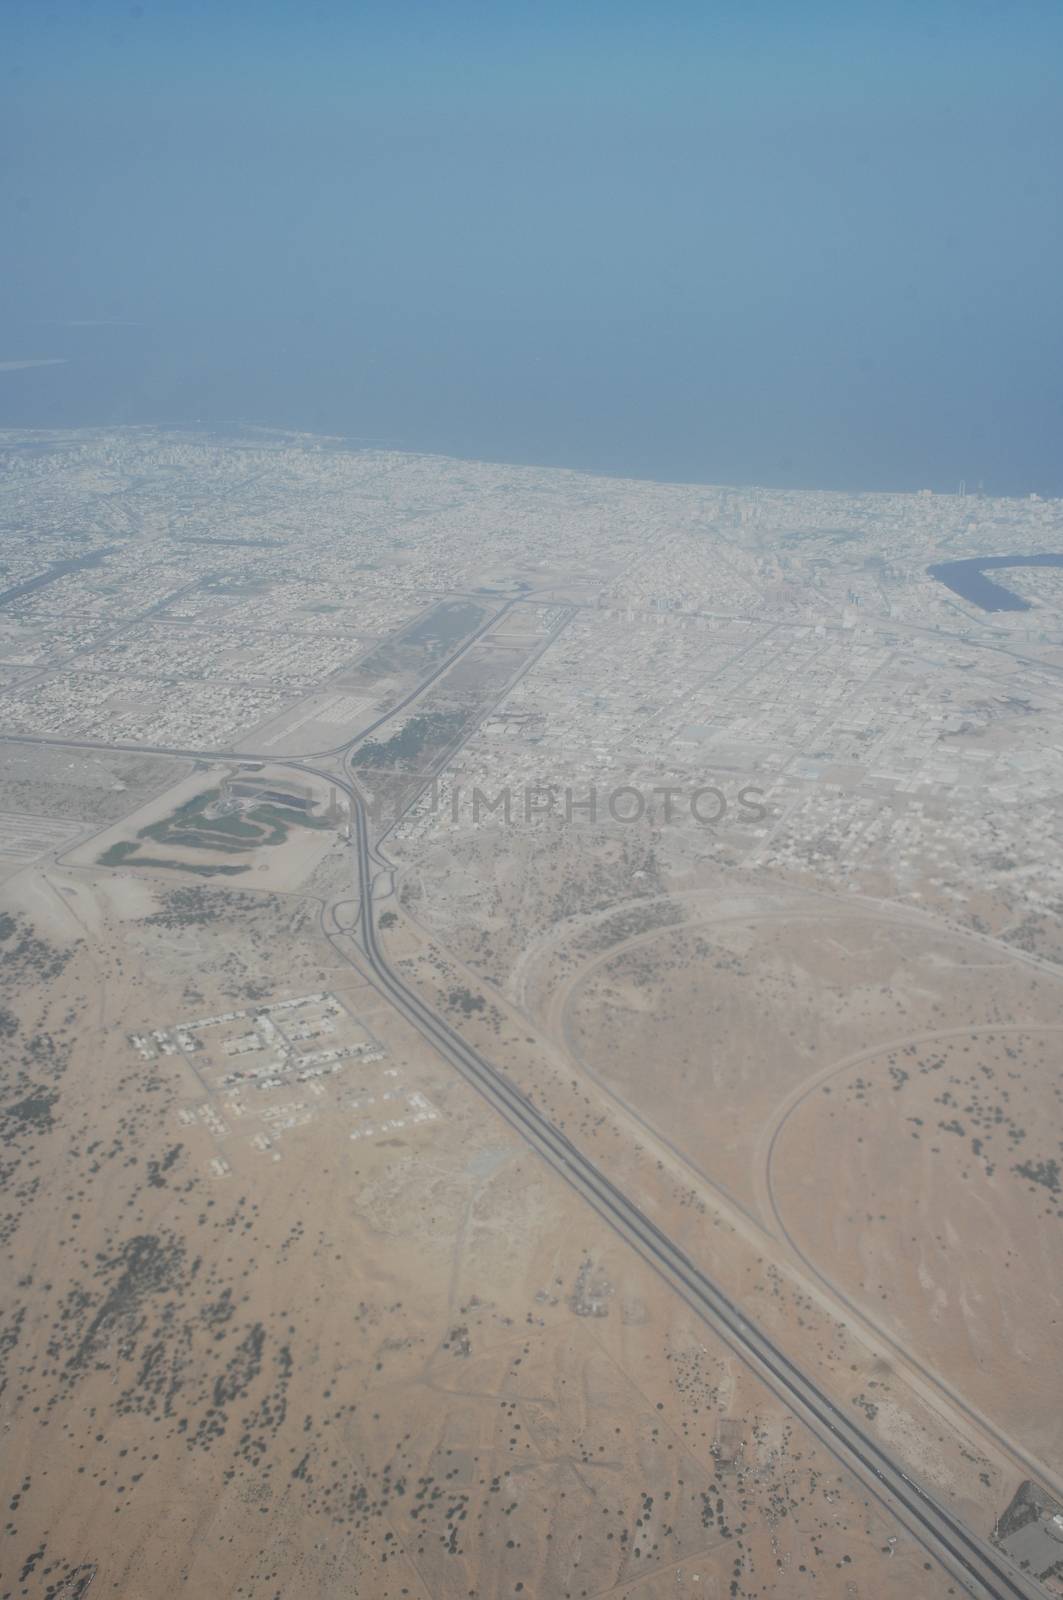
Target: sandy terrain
735,1032
705,1028
942,1205
285,1308
283,870
250,1348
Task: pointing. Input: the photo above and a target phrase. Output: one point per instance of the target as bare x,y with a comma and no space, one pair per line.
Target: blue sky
805,244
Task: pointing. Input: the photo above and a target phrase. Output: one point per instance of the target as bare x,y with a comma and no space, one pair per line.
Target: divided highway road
978,1566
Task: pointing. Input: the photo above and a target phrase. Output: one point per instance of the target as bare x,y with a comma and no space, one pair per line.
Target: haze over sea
810,246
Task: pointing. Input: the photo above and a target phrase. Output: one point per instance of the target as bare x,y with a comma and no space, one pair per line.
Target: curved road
982,1569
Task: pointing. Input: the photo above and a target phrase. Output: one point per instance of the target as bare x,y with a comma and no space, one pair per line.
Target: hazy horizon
815,251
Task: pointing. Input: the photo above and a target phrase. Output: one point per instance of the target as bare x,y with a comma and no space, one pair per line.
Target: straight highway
978,1566
981,1568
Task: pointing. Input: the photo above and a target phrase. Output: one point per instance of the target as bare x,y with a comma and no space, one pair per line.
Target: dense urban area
531,1010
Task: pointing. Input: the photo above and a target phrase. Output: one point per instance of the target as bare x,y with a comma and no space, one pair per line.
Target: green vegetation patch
115,854
203,869
431,730
190,827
